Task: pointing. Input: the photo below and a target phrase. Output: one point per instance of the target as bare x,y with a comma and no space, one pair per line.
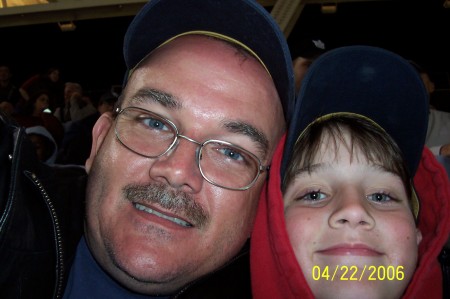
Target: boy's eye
313,196
379,197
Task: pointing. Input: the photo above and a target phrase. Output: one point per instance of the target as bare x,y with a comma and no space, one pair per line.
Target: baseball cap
371,82
244,22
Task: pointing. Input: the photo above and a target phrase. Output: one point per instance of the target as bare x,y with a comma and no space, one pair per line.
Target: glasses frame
261,168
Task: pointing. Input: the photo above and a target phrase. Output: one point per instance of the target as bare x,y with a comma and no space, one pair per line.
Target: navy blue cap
369,81
245,21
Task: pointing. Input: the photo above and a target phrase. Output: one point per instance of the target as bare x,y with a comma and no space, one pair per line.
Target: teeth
156,213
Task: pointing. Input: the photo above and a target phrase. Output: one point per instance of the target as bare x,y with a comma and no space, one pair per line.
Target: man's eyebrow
250,131
149,94
153,95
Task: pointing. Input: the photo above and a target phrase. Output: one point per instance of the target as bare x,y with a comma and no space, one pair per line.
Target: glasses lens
227,165
144,132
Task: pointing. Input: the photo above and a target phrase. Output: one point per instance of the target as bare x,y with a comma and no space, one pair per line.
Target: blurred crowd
58,115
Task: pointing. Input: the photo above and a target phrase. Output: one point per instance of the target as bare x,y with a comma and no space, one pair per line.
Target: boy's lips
350,249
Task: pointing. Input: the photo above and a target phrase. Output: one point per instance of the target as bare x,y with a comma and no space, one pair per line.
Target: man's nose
179,167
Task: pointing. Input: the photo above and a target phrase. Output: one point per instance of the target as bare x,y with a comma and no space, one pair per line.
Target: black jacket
41,222
41,218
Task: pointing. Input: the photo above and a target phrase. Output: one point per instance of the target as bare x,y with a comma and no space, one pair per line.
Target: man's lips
350,249
165,216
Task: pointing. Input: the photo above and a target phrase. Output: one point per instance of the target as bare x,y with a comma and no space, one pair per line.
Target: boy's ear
418,236
99,133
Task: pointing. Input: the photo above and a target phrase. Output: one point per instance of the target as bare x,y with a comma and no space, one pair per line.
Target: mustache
177,202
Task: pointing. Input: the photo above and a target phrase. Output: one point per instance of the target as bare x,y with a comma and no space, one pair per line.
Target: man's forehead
194,50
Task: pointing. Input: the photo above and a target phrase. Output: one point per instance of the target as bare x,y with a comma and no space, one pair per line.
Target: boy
348,225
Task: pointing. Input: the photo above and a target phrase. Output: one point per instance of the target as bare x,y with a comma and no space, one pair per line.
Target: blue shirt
88,280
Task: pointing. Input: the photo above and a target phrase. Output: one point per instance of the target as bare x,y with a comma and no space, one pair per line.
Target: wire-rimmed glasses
221,163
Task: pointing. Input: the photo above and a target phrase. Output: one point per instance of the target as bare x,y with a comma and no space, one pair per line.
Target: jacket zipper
57,230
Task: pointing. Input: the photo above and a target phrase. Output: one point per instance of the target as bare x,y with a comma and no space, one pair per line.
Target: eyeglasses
221,163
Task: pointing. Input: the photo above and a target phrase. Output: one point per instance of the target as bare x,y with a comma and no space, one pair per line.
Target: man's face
209,84
351,227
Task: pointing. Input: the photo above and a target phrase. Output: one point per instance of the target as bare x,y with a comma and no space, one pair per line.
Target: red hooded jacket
274,268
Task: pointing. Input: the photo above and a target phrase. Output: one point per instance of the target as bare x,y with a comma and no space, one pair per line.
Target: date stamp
357,273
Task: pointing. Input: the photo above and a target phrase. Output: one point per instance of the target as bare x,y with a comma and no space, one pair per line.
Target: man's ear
99,133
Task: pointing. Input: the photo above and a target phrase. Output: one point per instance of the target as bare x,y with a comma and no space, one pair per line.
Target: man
174,174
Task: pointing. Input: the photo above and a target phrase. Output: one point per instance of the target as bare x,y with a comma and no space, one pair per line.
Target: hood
274,268
40,130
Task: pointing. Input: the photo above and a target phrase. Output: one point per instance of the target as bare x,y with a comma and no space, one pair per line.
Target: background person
8,90
306,51
77,106
45,146
49,80
35,113
438,133
77,142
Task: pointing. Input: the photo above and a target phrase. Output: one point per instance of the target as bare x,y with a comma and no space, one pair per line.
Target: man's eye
232,154
154,123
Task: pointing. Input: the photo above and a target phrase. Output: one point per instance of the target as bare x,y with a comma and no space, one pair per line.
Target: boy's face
351,218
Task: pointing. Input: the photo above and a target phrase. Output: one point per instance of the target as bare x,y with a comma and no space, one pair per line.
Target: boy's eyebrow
309,169
383,168
167,100
153,95
322,166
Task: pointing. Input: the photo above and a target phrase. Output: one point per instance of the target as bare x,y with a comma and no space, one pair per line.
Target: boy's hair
373,142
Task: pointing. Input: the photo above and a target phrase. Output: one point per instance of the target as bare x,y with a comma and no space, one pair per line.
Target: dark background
417,30
92,54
